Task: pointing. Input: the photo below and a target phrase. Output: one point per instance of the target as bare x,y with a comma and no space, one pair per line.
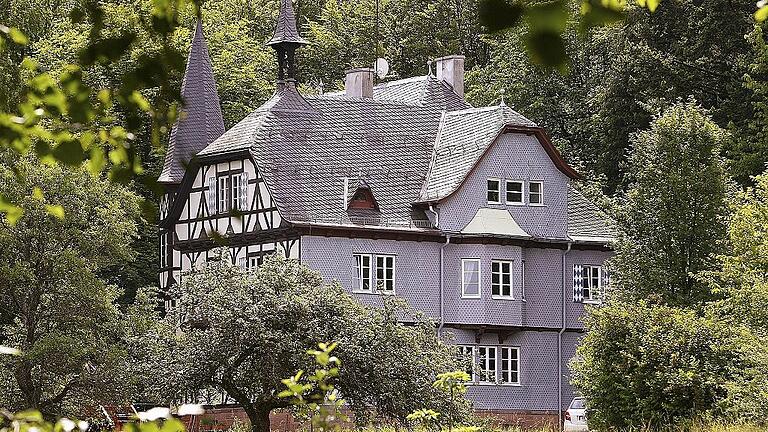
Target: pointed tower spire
200,122
285,41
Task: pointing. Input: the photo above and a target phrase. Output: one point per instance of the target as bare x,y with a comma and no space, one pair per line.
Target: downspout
442,285
560,344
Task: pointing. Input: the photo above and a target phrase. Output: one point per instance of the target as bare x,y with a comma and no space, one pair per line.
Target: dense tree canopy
54,303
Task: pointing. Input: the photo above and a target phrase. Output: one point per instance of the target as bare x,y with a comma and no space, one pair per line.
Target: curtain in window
243,204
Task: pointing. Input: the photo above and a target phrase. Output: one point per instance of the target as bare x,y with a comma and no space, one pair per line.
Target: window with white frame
494,192
486,360
510,365
224,194
470,277
501,279
467,358
591,280
242,262
514,192
237,189
163,250
385,273
255,261
536,193
363,277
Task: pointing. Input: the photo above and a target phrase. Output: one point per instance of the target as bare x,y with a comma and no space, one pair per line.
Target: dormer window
494,193
536,193
362,199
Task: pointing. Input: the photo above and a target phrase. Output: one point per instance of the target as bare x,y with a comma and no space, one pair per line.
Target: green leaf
12,212
498,15
17,36
547,49
762,14
69,152
56,211
551,17
598,13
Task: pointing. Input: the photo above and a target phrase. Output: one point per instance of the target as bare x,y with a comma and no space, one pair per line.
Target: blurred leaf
762,14
498,15
650,4
547,49
106,50
12,212
55,210
37,194
69,151
597,13
550,17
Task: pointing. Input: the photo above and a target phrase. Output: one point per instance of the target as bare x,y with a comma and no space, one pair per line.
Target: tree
652,366
675,211
244,332
54,305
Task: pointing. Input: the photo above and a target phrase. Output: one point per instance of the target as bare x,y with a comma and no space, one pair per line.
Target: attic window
362,199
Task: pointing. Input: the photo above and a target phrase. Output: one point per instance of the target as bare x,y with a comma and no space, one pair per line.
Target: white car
576,416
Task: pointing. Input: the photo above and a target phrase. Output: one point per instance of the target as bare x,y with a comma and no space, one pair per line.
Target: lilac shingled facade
513,157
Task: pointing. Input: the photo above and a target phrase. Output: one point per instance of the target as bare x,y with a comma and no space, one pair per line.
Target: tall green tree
244,332
54,304
674,215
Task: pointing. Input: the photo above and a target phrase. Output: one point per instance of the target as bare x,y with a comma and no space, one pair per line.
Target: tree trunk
259,418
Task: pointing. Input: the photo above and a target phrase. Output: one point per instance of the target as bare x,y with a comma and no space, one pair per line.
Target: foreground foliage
244,332
54,305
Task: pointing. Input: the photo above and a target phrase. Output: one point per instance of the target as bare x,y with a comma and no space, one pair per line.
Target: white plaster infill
495,222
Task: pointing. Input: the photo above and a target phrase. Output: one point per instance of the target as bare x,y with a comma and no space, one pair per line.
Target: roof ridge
401,81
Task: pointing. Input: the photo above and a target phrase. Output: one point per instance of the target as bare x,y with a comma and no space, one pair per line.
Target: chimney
451,70
359,83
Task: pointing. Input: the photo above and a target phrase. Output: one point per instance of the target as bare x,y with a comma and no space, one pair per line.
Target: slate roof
403,143
286,31
586,220
200,122
463,137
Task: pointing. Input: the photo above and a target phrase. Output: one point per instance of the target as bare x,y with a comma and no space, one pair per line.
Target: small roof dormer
362,198
200,121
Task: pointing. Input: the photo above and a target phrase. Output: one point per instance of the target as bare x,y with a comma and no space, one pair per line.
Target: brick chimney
359,83
451,70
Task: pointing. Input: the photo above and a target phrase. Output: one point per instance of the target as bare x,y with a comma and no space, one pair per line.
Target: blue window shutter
578,283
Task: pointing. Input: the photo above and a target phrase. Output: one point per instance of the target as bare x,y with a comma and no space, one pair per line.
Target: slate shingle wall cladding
417,277
514,157
484,310
538,371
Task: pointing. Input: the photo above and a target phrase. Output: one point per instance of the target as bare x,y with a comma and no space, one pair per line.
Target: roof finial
286,40
429,67
502,97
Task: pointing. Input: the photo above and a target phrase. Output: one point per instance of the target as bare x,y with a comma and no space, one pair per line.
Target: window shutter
211,195
243,192
606,281
578,283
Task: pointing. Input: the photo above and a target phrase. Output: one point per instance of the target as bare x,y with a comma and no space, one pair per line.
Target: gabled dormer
362,198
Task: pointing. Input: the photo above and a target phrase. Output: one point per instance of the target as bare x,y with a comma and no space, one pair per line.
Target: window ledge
373,292
592,302
471,297
511,384
503,298
537,205
516,204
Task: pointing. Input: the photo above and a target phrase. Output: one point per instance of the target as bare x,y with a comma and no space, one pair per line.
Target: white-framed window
470,277
591,279
242,262
486,360
224,194
510,365
385,273
163,250
363,277
536,193
467,358
494,191
515,192
501,279
522,280
236,191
